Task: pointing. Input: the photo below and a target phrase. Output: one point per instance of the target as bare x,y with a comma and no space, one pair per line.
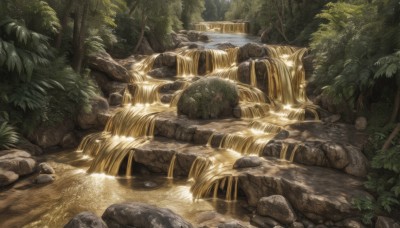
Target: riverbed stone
45,168
115,99
7,177
47,136
86,219
44,179
17,161
247,162
276,207
251,50
361,123
69,141
142,215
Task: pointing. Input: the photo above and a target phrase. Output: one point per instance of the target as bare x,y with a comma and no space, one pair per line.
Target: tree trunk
396,106
64,23
388,141
143,27
79,40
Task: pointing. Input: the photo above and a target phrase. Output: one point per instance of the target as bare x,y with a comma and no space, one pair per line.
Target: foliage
384,179
191,12
8,136
215,10
284,21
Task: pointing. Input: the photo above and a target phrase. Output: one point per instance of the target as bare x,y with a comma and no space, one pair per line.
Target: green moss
209,98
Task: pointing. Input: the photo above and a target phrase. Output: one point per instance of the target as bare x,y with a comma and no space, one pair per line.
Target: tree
191,12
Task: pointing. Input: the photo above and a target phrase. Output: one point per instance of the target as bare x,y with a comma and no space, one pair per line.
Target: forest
46,45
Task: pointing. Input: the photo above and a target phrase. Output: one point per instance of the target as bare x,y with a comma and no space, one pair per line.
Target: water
75,191
235,39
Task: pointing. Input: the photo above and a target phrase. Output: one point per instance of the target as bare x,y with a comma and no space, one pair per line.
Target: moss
209,98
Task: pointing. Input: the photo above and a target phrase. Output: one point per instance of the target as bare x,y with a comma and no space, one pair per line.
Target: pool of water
235,39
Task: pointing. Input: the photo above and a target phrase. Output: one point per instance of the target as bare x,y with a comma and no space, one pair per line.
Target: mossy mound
209,98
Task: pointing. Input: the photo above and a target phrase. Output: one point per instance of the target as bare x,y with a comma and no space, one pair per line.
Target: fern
8,136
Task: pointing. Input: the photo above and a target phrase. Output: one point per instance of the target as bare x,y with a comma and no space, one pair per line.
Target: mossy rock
209,98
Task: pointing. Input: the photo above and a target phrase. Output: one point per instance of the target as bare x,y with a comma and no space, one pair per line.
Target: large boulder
209,98
86,219
142,215
145,48
13,164
48,136
87,120
167,59
106,85
251,50
276,207
247,162
105,63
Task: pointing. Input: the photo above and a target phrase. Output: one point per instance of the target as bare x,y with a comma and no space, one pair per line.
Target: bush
209,98
8,136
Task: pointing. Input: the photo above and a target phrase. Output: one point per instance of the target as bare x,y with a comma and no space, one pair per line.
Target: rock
385,222
251,50
163,72
231,225
115,99
142,215
103,118
17,161
69,141
244,72
7,177
44,179
332,118
352,223
203,37
195,36
26,145
106,85
90,120
261,221
297,225
358,163
246,162
225,45
361,123
276,207
207,98
177,39
105,63
45,168
166,59
336,155
49,136
86,220
145,48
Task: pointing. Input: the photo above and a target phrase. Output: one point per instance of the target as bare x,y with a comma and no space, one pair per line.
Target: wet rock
329,194
336,155
167,59
90,120
209,98
44,179
385,222
105,63
194,36
7,177
45,168
179,38
251,50
163,72
225,45
48,136
103,118
166,98
332,118
276,207
142,215
69,141
244,72
231,225
358,163
106,85
247,162
361,123
17,161
86,220
261,221
115,99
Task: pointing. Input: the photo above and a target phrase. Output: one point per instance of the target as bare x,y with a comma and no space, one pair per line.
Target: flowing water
91,179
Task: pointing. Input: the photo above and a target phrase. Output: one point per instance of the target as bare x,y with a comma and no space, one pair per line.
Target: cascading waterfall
133,125
222,27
